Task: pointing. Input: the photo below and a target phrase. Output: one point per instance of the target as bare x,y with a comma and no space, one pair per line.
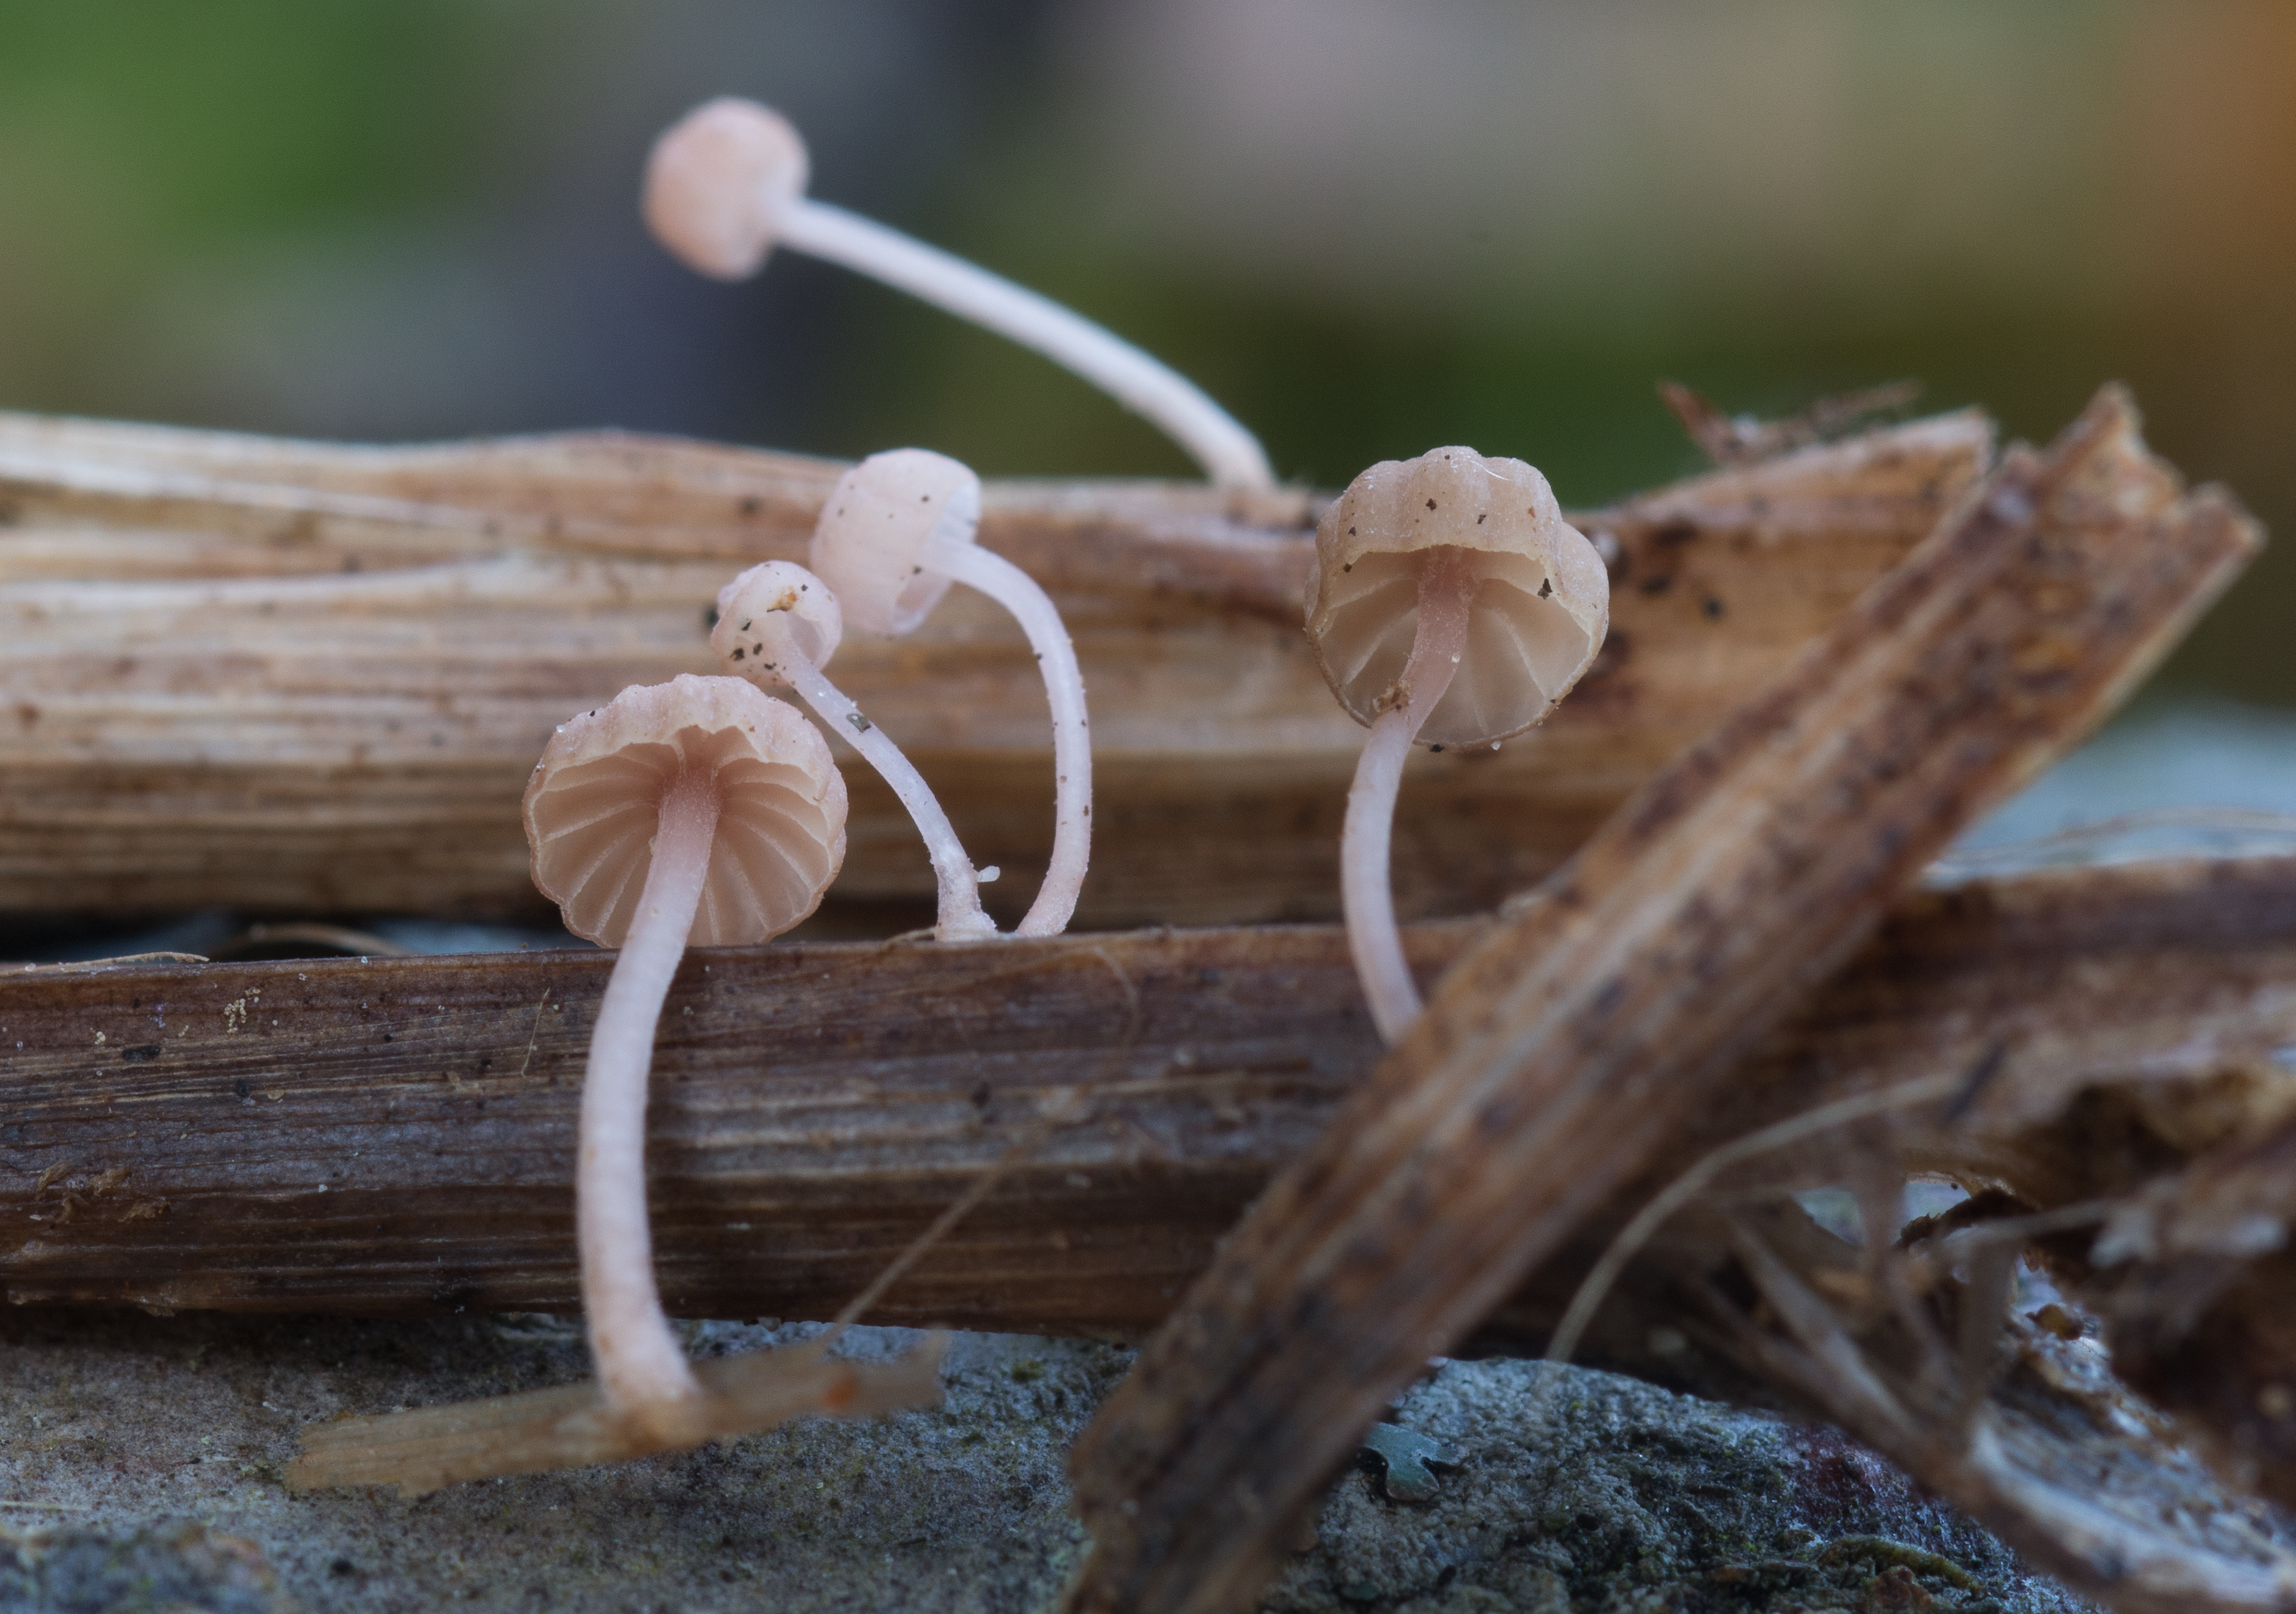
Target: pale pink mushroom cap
771,608
880,518
594,802
716,181
1541,605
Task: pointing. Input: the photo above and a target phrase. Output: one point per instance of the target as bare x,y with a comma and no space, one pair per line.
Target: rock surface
140,1460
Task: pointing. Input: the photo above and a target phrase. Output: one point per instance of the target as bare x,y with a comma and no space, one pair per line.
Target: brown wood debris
404,1143
1920,1346
1558,1056
290,677
2197,1285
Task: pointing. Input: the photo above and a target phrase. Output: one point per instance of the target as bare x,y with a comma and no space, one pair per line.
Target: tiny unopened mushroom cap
595,800
880,520
773,609
1541,605
716,181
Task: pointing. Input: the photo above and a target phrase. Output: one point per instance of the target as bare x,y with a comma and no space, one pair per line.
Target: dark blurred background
1367,225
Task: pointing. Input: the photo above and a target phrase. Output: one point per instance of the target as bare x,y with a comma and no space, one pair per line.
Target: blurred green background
1367,225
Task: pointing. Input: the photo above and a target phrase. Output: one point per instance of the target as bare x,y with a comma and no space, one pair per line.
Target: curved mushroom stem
961,917
1017,592
641,1369
1230,455
1444,588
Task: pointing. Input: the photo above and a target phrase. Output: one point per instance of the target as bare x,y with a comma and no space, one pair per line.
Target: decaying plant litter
1861,643
1558,1053
292,678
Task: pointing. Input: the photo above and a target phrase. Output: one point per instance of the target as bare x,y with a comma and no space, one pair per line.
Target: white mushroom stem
639,1360
1230,455
1440,638
1017,592
961,918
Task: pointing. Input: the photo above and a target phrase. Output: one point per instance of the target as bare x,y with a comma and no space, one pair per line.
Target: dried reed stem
405,1141
300,677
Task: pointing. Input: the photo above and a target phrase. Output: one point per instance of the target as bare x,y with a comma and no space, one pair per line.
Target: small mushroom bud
897,530
720,184
726,184
698,812
778,624
1449,603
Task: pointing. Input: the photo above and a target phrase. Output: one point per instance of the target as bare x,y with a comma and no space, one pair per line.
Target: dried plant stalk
2194,1278
1919,1354
1564,1050
404,1140
1911,1345
2003,1418
569,1425
235,670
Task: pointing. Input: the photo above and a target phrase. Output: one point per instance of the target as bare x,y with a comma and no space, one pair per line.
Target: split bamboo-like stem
396,1135
295,677
1567,1046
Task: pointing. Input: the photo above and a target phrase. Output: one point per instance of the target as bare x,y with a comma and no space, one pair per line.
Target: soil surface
140,1463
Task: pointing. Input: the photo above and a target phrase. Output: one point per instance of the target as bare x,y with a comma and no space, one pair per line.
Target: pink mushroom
777,623
699,813
897,529
1449,603
726,184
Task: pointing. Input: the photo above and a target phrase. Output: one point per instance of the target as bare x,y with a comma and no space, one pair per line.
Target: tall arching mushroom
897,530
1449,603
726,184
701,813
777,623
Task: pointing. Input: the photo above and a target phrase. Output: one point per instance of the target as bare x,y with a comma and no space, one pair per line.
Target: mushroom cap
594,801
716,181
875,527
770,610
1541,605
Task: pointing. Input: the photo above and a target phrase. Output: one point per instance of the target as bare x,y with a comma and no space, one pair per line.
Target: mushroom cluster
1448,604
778,624
896,532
